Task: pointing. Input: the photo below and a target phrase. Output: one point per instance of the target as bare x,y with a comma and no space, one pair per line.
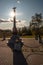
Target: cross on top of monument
14,8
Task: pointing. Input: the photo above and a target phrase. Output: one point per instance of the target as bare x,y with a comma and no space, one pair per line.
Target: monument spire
14,24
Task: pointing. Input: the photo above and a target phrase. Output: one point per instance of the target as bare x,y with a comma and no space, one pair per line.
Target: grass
30,36
27,36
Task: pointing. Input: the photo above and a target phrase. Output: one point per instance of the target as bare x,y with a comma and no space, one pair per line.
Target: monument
15,42
14,24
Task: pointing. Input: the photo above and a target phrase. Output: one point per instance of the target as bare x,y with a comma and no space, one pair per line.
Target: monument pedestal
15,43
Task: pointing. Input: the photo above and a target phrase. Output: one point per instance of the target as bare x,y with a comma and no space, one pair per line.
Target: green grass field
27,36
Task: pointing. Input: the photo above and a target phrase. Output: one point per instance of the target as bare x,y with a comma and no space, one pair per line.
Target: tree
24,31
35,25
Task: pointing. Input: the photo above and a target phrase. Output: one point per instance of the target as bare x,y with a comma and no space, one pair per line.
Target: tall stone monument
15,43
14,24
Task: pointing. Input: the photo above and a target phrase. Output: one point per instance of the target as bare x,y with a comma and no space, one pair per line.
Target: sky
24,8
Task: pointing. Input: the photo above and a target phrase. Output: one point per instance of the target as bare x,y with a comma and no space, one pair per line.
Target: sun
11,13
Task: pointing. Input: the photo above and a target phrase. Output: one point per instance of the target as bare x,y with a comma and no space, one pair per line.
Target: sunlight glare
12,14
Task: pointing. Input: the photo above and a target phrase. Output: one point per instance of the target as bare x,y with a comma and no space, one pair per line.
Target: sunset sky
25,10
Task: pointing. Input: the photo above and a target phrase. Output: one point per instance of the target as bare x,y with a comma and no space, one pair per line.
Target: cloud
7,24
18,2
3,20
22,23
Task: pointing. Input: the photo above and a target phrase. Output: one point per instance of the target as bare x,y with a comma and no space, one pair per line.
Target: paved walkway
32,53
5,54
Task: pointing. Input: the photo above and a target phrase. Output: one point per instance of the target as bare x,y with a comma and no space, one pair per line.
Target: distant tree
29,31
5,33
19,31
35,24
24,31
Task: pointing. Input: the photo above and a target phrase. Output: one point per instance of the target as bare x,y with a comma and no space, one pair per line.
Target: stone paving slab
35,59
32,55
6,56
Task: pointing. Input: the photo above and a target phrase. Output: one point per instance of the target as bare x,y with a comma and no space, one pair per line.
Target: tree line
21,31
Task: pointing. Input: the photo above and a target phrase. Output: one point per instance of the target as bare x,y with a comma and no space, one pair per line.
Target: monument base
15,43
